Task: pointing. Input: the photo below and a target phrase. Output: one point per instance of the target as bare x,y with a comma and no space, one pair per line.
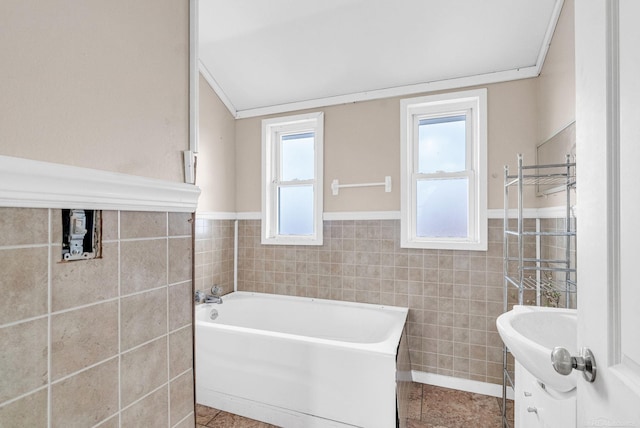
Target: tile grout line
49,307
119,324
167,309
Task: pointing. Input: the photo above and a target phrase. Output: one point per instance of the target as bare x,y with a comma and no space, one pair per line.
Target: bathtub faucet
214,297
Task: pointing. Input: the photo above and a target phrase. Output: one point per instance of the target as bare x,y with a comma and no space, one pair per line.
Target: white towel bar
335,185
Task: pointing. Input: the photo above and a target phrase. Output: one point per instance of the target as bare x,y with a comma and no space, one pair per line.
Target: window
444,178
292,179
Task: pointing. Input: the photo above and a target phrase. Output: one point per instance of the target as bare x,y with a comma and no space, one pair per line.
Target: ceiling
271,56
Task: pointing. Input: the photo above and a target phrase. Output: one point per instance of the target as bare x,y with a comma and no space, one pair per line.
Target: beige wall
556,90
216,172
99,84
557,84
362,144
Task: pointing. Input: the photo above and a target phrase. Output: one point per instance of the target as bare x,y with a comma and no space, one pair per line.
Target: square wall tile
23,283
180,305
180,224
151,411
143,317
110,225
82,282
23,358
14,232
143,265
181,396
110,423
29,411
83,337
135,224
142,370
86,398
180,257
180,345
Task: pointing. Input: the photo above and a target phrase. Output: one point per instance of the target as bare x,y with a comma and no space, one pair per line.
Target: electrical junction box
81,234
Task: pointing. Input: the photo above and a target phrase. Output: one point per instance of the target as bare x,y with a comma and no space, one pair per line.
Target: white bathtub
299,362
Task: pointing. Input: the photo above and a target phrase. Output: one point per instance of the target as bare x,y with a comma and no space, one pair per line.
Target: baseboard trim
460,384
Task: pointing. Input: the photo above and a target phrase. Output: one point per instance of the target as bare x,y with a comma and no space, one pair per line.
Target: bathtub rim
388,346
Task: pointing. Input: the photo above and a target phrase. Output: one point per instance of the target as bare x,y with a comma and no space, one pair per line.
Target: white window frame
271,131
473,104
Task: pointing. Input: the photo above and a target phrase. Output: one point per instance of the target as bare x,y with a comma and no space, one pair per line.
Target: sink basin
531,333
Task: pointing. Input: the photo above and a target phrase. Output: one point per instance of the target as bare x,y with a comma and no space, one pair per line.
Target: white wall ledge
497,213
28,183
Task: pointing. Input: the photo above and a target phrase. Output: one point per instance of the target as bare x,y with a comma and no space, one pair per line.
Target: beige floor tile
429,407
458,409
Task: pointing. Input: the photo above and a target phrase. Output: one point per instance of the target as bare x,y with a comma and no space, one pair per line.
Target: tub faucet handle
216,290
200,296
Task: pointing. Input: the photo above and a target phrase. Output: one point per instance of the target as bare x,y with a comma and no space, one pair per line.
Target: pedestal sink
531,333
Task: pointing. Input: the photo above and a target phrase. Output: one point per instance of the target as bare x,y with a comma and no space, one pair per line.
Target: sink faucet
214,297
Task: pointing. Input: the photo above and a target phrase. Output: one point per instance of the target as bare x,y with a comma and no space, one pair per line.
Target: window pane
296,153
442,208
442,144
295,210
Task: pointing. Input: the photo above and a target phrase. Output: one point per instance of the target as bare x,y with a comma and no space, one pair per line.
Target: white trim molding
468,385
249,215
494,213
206,74
216,215
439,85
28,183
361,215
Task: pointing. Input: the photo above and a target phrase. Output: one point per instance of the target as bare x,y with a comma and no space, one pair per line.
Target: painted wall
556,89
96,84
362,144
216,172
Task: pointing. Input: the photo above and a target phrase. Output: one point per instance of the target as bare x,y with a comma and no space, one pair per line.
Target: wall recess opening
81,234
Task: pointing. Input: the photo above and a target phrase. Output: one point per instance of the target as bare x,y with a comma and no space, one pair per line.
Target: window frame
473,104
272,129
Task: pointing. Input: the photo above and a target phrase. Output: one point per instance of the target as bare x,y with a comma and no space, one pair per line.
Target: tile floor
429,407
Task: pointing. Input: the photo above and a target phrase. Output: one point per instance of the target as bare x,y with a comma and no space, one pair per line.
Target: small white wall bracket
189,166
335,185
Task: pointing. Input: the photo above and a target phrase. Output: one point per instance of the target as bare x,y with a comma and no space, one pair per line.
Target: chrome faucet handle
200,296
216,290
